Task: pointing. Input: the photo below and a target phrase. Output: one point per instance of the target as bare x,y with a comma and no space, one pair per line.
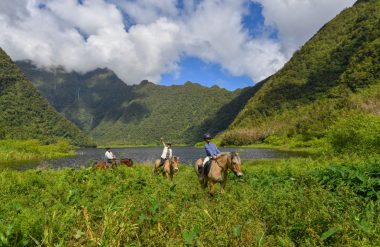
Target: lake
86,157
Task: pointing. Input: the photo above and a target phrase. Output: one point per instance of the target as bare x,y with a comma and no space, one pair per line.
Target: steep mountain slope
325,80
26,114
115,113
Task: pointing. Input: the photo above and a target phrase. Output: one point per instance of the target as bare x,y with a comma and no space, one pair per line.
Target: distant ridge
25,114
110,111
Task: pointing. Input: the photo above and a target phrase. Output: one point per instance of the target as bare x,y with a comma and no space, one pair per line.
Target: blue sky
209,73
230,43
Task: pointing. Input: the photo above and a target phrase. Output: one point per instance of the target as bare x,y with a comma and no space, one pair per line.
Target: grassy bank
277,203
17,151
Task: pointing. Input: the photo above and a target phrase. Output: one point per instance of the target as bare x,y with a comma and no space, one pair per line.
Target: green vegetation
333,77
25,114
326,99
277,203
16,151
117,114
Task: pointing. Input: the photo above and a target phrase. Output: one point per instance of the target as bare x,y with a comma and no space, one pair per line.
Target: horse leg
157,167
203,181
223,183
167,169
212,190
154,169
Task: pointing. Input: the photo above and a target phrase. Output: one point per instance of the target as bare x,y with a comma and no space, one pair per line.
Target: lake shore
187,155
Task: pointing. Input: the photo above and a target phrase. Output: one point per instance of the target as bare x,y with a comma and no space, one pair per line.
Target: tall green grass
15,151
298,202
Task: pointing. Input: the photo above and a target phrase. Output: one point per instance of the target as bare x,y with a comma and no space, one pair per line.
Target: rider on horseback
211,150
167,153
110,157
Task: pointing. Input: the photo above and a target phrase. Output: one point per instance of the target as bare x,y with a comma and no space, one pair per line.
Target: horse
102,164
105,164
218,170
170,167
127,162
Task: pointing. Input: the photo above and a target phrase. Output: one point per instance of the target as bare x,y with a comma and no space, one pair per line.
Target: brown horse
105,164
170,167
102,164
219,170
127,162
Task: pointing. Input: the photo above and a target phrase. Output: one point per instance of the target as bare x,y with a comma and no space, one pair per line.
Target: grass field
296,202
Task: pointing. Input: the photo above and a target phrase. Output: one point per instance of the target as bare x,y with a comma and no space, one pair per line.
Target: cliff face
25,114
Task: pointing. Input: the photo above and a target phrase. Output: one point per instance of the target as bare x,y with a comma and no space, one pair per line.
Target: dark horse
104,164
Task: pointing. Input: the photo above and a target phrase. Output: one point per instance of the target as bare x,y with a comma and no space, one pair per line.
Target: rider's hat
207,136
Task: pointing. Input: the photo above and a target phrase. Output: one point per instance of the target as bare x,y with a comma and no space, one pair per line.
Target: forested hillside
25,114
329,89
112,112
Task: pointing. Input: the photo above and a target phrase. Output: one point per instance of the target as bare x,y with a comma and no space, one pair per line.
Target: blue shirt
211,149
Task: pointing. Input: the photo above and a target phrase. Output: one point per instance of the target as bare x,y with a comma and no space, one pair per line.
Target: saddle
205,169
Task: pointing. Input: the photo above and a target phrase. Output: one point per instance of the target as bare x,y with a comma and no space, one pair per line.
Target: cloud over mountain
144,39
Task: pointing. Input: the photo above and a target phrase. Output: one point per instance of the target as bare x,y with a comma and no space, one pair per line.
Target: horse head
126,161
235,164
174,164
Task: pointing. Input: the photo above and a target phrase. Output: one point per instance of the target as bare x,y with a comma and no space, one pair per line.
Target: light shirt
109,155
167,152
211,149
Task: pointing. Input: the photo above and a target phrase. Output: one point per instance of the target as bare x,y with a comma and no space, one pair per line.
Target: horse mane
223,154
232,154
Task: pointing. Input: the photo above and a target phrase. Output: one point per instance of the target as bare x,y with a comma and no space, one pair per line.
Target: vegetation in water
16,151
277,203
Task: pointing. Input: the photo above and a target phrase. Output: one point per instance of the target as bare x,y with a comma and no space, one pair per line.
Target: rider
110,157
167,153
211,150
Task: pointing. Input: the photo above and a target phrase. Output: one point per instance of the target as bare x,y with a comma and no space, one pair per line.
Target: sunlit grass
292,202
16,151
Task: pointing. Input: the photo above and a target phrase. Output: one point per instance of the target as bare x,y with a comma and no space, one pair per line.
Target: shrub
356,134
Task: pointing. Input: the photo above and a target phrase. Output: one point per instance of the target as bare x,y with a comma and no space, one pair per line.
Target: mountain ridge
325,75
114,113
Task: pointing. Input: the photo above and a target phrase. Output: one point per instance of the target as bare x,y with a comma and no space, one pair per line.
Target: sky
230,43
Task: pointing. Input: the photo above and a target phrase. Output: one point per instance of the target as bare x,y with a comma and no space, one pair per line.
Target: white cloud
156,34
214,33
148,11
298,20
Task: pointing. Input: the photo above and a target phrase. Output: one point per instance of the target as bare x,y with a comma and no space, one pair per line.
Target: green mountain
335,76
25,114
113,113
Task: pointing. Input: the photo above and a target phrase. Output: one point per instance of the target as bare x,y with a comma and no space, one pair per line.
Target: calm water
188,155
